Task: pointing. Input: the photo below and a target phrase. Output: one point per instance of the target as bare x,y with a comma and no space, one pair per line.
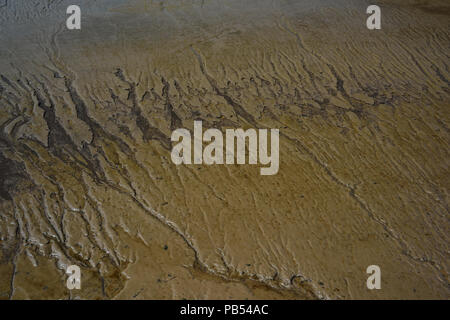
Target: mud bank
87,179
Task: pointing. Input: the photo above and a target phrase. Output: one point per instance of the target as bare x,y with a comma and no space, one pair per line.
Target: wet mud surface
86,118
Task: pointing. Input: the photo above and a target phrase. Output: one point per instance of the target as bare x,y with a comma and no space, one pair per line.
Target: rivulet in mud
86,118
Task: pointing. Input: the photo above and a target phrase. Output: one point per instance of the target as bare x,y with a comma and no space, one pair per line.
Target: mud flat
87,179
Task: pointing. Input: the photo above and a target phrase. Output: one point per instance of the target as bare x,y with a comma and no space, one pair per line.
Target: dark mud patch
430,7
12,177
441,10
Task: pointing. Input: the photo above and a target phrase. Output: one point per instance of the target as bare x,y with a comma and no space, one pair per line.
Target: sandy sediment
87,179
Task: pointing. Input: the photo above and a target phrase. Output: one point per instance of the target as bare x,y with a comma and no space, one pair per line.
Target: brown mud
86,175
